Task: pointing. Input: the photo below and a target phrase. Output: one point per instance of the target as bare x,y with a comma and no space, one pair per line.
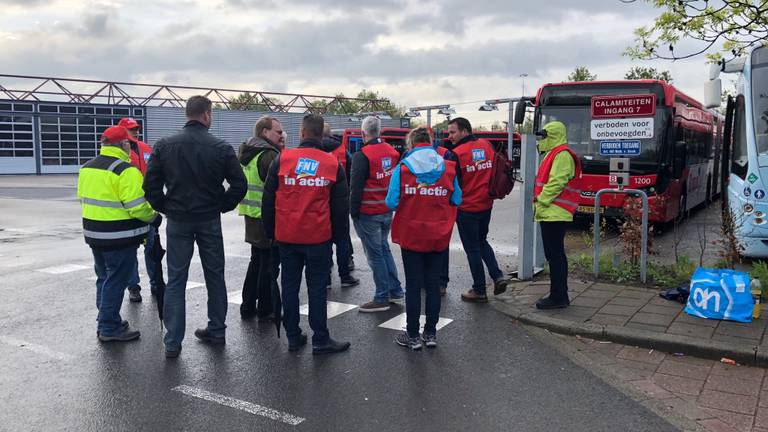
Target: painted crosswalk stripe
39,349
241,405
235,297
333,309
234,255
399,322
64,268
193,285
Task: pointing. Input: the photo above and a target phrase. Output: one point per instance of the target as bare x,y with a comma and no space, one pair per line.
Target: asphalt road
487,374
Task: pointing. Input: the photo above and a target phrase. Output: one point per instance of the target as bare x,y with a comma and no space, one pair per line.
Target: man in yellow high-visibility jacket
116,219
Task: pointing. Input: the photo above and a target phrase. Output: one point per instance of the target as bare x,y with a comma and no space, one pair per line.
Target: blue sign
759,194
630,148
306,167
478,155
747,191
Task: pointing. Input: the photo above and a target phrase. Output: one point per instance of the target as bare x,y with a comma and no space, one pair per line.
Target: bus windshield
760,98
577,121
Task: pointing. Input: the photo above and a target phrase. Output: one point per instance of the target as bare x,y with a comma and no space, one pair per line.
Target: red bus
352,139
676,163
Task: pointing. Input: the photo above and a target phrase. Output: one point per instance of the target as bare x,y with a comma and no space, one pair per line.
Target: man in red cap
140,152
116,219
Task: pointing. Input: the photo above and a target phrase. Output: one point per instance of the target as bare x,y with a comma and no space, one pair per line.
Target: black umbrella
158,253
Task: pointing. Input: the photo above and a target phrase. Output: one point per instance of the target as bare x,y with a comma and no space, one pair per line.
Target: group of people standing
296,204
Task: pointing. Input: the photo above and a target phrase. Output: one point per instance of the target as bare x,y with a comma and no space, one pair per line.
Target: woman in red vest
424,190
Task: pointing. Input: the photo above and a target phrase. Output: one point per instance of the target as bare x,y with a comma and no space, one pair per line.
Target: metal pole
527,231
429,118
510,131
644,227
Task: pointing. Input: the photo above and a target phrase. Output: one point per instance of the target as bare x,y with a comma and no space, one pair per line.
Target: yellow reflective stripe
101,203
114,165
114,235
255,188
562,201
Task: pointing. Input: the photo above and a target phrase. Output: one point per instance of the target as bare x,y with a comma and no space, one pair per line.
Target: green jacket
563,170
115,213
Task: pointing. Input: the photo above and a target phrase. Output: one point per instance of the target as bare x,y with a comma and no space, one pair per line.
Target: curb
743,354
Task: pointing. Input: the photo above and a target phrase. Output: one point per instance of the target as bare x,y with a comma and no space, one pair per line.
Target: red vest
382,159
441,150
569,197
140,159
425,216
341,155
476,165
303,199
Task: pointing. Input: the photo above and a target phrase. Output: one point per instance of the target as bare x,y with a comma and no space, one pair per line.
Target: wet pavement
486,375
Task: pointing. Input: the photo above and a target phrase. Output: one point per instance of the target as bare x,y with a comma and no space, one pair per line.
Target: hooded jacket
563,170
254,228
425,221
330,144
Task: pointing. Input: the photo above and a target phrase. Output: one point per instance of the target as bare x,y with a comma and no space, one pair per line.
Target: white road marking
234,255
93,278
241,405
39,349
64,268
193,285
333,309
399,322
235,297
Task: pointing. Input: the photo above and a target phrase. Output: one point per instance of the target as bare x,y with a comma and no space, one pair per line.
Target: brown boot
473,297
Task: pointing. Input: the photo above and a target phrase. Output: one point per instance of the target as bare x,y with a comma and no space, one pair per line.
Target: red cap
115,134
128,123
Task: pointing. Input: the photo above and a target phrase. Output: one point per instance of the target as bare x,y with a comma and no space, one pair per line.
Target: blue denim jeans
422,271
473,230
182,237
113,271
373,231
317,260
149,260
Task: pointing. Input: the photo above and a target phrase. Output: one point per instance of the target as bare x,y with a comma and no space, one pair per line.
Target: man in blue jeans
372,168
192,166
475,160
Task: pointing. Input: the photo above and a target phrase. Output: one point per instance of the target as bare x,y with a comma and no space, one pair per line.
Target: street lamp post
523,75
491,105
442,109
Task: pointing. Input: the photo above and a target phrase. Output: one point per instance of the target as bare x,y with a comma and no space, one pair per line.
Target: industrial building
53,125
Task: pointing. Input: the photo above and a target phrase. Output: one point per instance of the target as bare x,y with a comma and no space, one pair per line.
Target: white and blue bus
746,147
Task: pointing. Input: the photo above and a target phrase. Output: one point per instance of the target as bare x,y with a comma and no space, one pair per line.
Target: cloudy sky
414,52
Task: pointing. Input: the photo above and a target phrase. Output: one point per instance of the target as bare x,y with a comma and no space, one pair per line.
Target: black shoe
295,346
134,294
267,318
500,286
204,336
124,336
124,324
169,354
331,347
413,343
348,281
547,303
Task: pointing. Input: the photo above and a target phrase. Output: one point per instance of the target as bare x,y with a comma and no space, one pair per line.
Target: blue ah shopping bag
720,294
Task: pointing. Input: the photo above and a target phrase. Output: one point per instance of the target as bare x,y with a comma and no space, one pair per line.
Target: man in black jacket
305,207
192,166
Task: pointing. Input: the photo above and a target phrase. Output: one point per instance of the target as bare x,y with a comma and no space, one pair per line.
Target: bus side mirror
712,91
680,159
520,107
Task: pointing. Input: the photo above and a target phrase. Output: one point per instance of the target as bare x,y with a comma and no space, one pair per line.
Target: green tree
640,72
371,102
581,73
251,102
727,26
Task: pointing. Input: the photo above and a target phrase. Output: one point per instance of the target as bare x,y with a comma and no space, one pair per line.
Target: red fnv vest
476,165
303,199
140,159
569,197
382,159
424,218
341,155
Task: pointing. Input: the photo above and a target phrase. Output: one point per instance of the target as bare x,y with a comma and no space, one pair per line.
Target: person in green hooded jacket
555,201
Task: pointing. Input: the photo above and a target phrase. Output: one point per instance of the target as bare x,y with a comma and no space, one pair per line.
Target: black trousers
553,237
422,272
260,281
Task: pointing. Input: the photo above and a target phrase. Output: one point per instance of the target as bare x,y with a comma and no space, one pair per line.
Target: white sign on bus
612,129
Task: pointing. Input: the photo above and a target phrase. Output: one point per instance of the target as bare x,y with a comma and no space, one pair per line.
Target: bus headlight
759,221
748,208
